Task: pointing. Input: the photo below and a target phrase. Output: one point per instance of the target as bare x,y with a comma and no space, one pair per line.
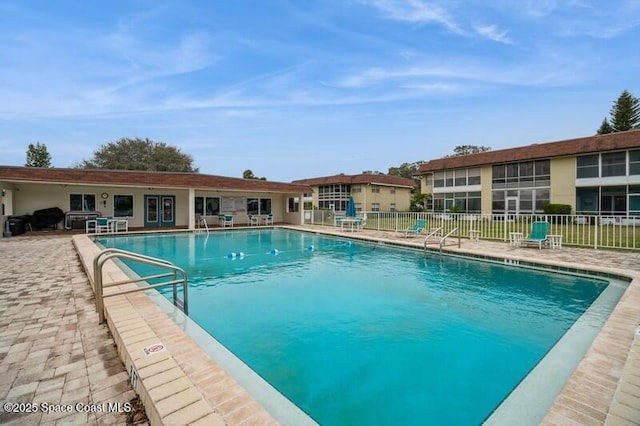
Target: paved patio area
53,354
53,350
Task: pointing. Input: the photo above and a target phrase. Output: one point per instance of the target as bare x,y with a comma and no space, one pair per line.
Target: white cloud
378,75
538,9
415,11
493,33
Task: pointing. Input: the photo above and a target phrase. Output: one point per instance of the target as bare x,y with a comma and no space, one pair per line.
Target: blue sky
298,89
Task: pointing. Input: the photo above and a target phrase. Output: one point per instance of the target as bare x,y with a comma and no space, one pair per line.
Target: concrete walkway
53,354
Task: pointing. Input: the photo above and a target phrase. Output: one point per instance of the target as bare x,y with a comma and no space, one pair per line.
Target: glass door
159,210
168,210
511,208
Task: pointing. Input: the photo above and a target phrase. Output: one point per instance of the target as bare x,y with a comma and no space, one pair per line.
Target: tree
405,170
139,154
625,113
248,174
38,156
418,201
605,127
469,149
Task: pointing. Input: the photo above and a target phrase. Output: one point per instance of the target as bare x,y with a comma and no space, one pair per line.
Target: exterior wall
401,198
563,178
291,217
29,197
366,197
485,183
6,206
424,188
278,206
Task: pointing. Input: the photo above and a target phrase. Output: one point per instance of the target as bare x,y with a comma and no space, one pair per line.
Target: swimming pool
356,333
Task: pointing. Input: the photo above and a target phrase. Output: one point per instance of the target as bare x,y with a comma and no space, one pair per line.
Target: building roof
144,179
591,144
364,178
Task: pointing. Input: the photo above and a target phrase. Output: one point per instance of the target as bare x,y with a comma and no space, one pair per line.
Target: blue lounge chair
416,229
538,235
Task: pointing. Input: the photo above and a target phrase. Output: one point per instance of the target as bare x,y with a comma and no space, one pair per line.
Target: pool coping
183,384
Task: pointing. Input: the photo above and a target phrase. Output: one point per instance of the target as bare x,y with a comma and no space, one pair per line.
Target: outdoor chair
416,229
254,220
268,219
539,234
225,220
119,224
97,225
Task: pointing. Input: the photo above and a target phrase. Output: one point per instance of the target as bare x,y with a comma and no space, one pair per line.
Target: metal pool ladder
444,239
205,227
177,275
431,234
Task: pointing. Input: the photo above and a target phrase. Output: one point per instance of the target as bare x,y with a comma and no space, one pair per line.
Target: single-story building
370,191
146,199
594,175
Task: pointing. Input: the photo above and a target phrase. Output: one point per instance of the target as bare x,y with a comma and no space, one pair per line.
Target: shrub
557,209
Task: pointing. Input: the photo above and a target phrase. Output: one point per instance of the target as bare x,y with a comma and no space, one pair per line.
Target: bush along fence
611,232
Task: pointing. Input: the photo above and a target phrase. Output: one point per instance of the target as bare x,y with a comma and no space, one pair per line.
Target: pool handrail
173,272
433,232
444,239
203,221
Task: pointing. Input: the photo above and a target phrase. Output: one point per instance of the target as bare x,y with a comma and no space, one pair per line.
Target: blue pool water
355,333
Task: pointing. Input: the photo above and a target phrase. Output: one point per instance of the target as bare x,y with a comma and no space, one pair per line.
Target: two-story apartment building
371,192
595,175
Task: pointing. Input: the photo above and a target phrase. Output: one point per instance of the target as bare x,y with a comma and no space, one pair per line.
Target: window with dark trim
82,202
587,166
614,164
207,206
634,162
123,205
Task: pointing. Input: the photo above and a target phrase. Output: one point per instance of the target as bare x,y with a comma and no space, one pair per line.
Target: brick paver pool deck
53,350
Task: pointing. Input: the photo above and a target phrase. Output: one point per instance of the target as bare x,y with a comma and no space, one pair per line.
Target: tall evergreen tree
625,113
38,156
605,127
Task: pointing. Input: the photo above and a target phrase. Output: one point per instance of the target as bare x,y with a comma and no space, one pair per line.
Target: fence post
595,237
504,226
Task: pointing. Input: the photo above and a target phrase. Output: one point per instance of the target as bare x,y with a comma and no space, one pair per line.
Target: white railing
614,232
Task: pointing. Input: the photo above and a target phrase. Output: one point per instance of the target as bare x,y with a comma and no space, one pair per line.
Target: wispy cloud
538,9
378,75
492,32
415,11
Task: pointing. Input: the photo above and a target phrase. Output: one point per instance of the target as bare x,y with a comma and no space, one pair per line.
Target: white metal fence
613,232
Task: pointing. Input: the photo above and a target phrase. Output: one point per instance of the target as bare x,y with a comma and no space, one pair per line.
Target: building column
192,208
